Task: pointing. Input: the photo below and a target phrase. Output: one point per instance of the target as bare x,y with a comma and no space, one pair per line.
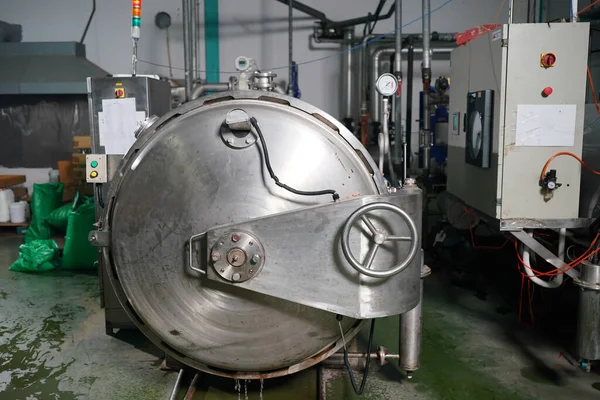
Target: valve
549,184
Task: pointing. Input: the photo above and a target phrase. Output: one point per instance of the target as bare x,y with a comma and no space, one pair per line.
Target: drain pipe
398,150
426,73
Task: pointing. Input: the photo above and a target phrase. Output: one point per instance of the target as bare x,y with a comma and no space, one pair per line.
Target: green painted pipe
211,40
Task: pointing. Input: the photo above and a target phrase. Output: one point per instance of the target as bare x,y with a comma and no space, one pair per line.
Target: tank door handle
191,247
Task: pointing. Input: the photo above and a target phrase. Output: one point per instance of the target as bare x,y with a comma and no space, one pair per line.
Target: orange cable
588,7
589,74
567,153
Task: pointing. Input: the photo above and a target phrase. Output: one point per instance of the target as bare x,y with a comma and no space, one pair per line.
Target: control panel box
96,168
518,98
118,105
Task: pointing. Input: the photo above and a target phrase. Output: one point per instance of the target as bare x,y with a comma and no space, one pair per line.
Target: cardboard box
11,180
79,174
78,159
21,193
82,142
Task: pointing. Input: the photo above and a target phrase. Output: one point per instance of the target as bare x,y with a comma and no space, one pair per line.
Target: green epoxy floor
53,346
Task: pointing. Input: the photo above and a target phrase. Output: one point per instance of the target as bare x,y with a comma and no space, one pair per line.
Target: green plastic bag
37,256
59,218
46,197
78,252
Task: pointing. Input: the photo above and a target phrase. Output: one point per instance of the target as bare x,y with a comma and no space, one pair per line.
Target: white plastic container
7,197
17,212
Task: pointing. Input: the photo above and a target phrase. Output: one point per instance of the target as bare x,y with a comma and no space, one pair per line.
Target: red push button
547,91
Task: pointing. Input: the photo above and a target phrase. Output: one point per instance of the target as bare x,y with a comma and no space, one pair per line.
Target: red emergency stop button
547,91
547,60
119,93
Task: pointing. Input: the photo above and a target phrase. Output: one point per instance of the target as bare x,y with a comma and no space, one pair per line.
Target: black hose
87,26
332,192
359,390
99,195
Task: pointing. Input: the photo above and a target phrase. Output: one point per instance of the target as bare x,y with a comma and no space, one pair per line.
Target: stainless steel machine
249,234
118,105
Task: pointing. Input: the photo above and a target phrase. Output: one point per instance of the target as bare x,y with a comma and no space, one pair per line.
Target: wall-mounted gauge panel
479,119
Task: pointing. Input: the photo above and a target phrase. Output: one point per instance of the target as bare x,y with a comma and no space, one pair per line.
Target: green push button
94,164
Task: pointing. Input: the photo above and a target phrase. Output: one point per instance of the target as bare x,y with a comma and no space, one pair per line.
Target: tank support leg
411,327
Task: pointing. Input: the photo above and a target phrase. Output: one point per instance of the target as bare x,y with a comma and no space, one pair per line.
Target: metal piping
175,391
398,148
375,101
426,73
347,81
194,36
290,89
409,103
201,89
186,49
556,282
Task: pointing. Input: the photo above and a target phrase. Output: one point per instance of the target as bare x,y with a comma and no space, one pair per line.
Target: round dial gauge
476,134
387,84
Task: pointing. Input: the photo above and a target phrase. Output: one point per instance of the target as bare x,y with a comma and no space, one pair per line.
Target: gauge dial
387,84
476,132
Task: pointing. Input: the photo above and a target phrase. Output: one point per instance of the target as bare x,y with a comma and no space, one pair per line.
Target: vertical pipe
426,135
511,11
347,81
290,88
193,40
400,135
588,320
185,10
175,390
411,327
211,38
409,100
574,9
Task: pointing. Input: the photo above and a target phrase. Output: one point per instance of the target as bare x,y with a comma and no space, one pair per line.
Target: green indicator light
136,21
94,164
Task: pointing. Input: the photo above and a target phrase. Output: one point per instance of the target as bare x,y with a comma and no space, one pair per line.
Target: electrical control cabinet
118,105
518,97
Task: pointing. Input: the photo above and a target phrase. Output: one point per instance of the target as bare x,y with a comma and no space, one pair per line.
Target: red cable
565,268
473,237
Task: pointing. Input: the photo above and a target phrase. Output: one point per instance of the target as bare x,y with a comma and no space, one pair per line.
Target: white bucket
7,197
17,212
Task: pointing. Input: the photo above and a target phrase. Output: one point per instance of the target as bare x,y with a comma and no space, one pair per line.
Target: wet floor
53,346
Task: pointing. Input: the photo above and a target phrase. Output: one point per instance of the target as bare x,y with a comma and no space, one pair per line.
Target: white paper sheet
117,123
546,125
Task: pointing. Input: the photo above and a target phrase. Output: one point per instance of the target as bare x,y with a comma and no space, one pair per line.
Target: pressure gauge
387,84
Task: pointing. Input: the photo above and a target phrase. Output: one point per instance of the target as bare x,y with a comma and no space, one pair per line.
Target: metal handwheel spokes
378,238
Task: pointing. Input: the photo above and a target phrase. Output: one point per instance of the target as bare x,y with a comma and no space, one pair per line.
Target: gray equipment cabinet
152,97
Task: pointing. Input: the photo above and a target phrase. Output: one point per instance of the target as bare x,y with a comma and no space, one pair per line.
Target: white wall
256,28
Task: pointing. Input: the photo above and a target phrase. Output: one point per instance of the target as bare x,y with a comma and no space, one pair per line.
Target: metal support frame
543,252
